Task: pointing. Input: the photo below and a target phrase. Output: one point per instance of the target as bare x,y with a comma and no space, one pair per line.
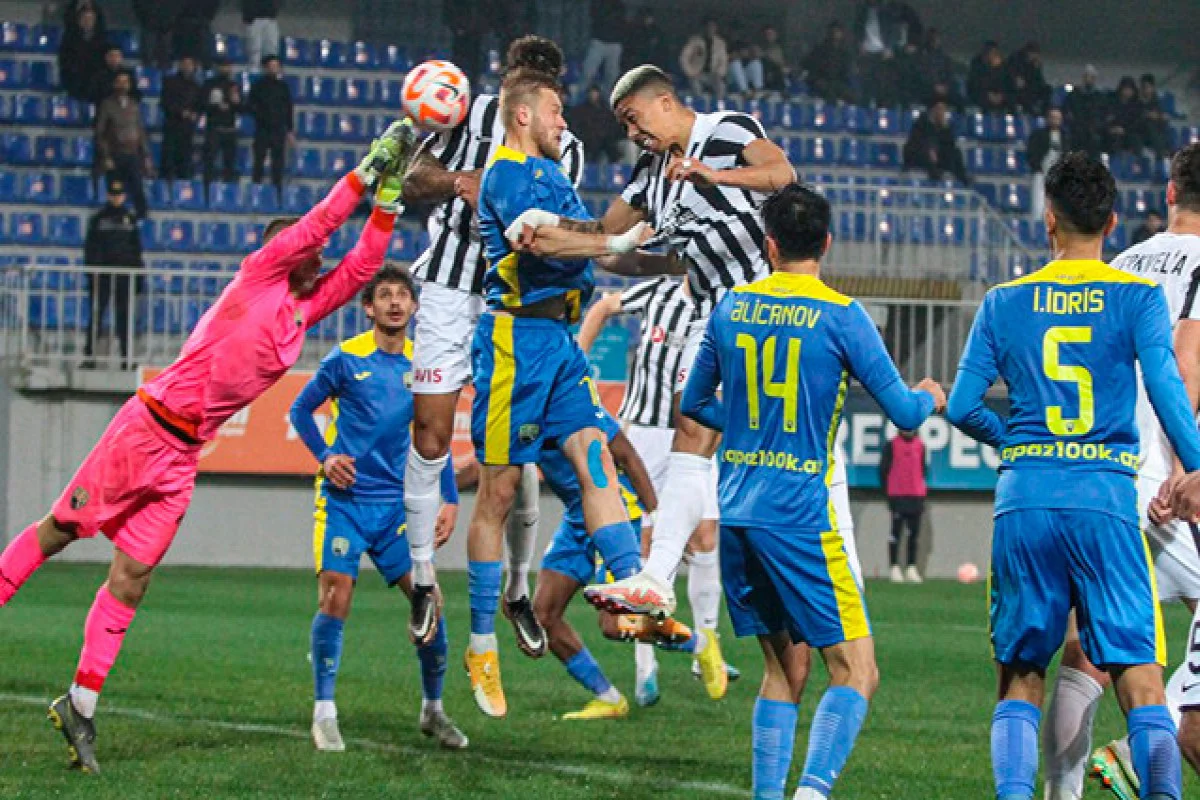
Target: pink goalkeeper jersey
255,331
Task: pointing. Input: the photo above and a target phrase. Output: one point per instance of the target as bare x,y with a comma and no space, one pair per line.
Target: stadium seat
819,150
350,127
43,75
79,152
149,80
152,116
188,195
13,74
1015,198
25,228
357,92
29,109
856,120
68,112
66,230
158,193
1118,240
6,108
363,56
313,125
852,152
231,46
884,155
37,187
795,116
77,190
980,160
331,54
224,197
178,235
886,122
248,237
1012,162
826,118
216,237
14,36
308,163
338,162
18,149
386,93
297,199
297,52
263,198
129,42
395,58
324,91
951,231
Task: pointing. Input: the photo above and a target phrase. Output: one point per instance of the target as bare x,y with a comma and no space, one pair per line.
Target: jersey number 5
1068,373
787,390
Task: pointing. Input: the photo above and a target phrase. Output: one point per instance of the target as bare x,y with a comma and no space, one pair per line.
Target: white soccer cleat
912,575
437,725
326,735
897,574
638,594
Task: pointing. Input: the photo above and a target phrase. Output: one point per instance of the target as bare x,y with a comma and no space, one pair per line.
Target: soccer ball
968,573
437,95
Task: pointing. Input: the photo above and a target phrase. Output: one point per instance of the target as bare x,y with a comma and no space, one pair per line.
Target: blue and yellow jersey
784,348
513,183
560,476
1066,340
372,409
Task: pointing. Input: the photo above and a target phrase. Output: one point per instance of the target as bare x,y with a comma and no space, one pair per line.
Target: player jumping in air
135,485
360,493
1067,341
784,348
447,172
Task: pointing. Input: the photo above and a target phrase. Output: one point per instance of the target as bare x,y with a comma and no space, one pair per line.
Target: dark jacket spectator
596,127
193,31
270,103
222,96
646,43
987,80
931,146
182,102
1124,123
935,70
113,240
774,60
122,148
1151,227
1027,85
1155,129
81,56
157,18
830,66
1051,142
114,65
1086,109
71,16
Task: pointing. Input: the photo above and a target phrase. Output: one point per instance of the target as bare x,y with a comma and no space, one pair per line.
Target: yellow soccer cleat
669,634
599,709
484,672
712,666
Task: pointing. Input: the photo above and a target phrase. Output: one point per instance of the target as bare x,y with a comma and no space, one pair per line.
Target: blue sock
587,672
326,647
433,663
619,548
831,736
1015,749
774,738
1155,752
483,585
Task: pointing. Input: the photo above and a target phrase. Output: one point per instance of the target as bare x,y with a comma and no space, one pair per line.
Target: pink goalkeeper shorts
134,487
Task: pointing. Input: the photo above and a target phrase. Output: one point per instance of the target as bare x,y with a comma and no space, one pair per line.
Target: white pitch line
615,776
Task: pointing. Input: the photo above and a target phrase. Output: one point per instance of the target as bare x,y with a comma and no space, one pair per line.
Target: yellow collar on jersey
790,284
1072,271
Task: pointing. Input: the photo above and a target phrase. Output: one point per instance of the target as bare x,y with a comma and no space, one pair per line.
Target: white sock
84,700
610,695
680,507
522,534
1067,732
431,706
324,709
483,642
422,501
704,589
808,793
1175,692
644,660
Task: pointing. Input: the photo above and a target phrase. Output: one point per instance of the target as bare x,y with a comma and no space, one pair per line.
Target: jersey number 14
1068,373
787,390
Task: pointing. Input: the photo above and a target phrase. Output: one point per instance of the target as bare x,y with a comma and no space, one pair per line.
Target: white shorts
691,348
1174,549
442,340
653,446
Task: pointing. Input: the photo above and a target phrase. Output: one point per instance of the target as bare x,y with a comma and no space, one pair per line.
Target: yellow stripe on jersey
506,268
831,440
789,284
361,346
851,611
331,428
498,433
1073,271
319,519
1160,635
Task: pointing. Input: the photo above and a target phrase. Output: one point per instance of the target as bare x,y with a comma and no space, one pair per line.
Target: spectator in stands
931,146
113,240
987,80
774,61
882,30
1043,150
1152,225
1086,109
262,29
193,31
104,80
646,43
1123,127
182,102
71,13
468,22
81,56
222,101
902,470
122,147
830,66
1155,129
1027,85
604,48
270,104
593,122
745,69
157,18
705,60
934,66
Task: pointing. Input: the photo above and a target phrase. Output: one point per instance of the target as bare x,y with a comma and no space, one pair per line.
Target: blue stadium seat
158,193
989,192
363,56
313,125
857,120
339,161
69,112
851,226
66,230
852,152
887,121
43,75
1015,198
187,195
37,187
263,199
819,150
795,116
29,109
395,58
1118,240
980,160
952,231
129,42
1023,229
357,92
349,127
323,91
25,228
18,149
149,231
79,151
1012,162
149,80
13,74
297,52
216,237
248,237
298,198
223,197
6,108
330,54
386,93
45,38
231,46
14,36
77,190
885,155
826,118
152,115
178,235
307,162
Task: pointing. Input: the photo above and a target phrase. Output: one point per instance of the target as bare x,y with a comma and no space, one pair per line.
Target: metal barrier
926,338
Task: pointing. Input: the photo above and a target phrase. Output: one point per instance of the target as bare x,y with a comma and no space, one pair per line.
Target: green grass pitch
212,698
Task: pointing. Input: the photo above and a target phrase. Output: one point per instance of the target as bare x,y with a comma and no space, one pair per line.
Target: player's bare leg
785,672
550,600
485,547
433,429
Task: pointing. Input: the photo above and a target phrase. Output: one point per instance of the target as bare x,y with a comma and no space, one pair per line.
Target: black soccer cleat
79,731
531,636
423,619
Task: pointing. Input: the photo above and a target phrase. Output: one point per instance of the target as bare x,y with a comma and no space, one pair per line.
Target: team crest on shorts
527,433
408,380
79,498
340,546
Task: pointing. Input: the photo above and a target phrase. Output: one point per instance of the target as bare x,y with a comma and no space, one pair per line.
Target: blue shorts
795,582
1046,562
573,553
532,383
345,529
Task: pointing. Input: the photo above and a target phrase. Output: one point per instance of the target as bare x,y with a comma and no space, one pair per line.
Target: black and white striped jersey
455,255
719,229
667,317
